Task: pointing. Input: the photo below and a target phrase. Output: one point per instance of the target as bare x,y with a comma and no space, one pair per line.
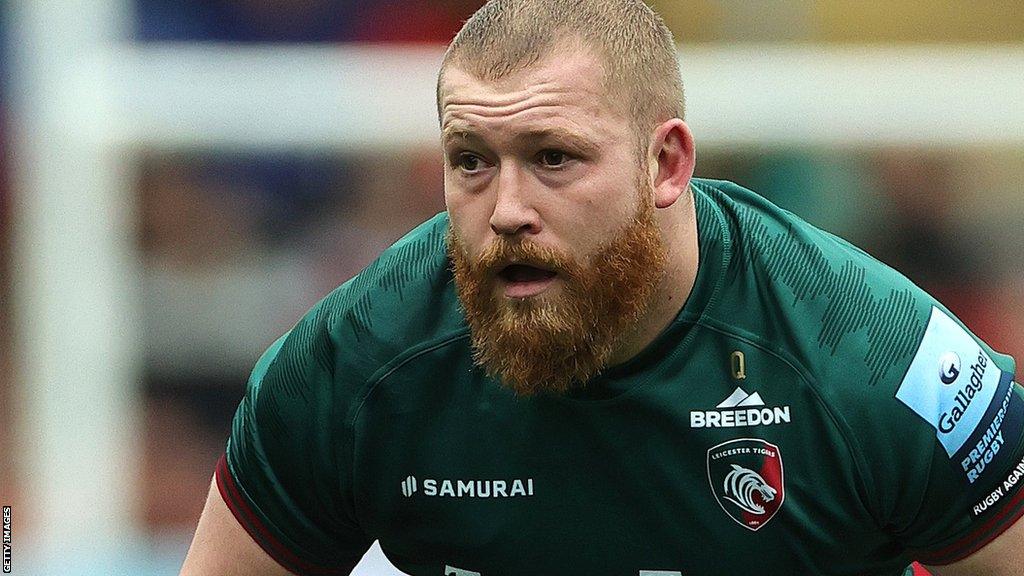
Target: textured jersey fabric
809,411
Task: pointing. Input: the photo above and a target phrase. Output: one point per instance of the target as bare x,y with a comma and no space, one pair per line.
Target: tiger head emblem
740,486
747,480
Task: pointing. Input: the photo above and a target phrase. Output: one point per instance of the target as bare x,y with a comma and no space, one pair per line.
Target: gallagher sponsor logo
952,400
949,420
949,367
976,411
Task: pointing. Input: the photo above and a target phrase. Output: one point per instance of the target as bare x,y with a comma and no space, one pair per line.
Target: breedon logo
740,409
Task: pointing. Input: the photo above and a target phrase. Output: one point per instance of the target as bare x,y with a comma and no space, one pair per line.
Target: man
594,364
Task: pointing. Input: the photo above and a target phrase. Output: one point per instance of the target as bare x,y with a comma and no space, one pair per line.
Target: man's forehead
565,78
559,57
569,89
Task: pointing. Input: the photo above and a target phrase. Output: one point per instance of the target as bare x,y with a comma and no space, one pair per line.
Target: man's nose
514,210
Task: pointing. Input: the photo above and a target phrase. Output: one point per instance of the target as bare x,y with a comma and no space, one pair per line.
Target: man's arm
1003,556
221,547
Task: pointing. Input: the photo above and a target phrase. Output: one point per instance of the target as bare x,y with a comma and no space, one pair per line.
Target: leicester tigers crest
746,479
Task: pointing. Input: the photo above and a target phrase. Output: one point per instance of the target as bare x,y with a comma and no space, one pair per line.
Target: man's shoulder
828,306
403,301
891,364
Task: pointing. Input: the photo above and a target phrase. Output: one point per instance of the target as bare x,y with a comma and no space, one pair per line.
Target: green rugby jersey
809,411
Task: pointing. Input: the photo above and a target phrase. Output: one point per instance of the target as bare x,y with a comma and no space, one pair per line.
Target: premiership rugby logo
747,480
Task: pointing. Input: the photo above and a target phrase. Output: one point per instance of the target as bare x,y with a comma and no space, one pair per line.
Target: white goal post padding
333,97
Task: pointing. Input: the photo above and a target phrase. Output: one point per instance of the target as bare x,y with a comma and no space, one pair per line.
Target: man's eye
468,162
553,158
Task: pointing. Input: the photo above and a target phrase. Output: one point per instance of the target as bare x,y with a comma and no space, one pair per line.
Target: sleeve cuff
977,538
251,522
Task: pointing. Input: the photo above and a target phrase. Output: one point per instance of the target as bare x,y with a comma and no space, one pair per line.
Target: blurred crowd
235,246
302,20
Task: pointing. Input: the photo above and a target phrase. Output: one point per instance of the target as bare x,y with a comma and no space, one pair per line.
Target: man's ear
672,157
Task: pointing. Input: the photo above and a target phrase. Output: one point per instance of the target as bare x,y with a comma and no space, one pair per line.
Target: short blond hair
641,67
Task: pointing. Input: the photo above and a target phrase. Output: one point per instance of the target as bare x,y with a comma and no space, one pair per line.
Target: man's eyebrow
451,133
579,142
558,136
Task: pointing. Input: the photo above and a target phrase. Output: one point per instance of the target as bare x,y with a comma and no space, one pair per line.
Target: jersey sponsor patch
747,480
955,386
1010,484
740,409
459,488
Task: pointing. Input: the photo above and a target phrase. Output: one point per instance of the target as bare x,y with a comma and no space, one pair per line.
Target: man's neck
679,230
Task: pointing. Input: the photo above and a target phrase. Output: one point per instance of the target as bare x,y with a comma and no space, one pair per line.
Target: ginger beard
553,343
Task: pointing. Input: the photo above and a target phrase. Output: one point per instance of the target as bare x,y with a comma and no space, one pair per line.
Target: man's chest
705,473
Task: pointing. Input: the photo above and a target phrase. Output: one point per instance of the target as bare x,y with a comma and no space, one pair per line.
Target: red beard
552,344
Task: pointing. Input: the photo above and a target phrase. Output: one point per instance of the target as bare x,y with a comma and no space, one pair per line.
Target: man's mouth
524,280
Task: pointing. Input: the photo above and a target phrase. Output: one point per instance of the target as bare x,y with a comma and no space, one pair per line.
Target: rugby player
595,364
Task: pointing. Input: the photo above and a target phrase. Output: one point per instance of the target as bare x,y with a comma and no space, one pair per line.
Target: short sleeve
286,474
944,447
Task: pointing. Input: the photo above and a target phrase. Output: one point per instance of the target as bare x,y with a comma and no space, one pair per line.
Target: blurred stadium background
181,179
